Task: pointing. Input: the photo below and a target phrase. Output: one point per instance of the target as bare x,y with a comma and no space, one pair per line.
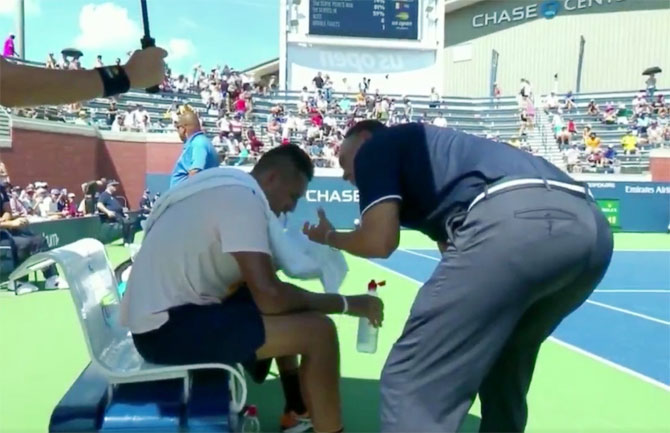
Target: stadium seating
498,119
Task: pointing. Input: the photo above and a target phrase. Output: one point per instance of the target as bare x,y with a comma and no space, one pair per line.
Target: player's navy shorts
230,332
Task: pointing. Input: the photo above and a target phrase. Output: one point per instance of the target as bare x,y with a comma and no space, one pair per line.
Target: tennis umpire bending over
523,246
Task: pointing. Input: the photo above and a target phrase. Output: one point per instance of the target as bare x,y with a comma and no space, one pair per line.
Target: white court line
419,254
632,313
614,365
599,304
569,346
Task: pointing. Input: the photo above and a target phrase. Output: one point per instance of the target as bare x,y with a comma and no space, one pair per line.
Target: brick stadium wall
66,156
61,159
659,165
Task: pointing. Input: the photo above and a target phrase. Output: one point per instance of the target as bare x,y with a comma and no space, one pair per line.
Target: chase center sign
547,9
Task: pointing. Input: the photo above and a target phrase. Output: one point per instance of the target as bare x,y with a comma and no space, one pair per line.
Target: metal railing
5,127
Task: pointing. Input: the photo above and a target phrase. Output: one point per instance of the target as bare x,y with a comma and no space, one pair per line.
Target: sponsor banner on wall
628,206
363,60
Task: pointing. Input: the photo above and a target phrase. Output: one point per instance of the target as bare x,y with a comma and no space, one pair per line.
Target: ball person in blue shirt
523,245
198,153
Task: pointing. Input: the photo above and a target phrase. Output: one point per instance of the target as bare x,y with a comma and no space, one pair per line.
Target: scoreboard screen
388,19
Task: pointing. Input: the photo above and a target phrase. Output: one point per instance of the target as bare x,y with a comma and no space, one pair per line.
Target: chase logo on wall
547,9
550,9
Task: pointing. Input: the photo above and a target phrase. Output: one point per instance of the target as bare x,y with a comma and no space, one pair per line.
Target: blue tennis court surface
625,321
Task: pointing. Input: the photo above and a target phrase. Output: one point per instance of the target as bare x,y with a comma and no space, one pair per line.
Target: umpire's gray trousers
521,261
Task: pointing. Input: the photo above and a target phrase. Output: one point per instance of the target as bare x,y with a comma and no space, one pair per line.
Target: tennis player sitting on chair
204,288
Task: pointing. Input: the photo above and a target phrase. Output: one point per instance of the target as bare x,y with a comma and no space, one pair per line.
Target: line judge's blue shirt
198,154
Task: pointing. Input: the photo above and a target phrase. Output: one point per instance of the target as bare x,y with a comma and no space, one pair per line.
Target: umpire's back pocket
545,214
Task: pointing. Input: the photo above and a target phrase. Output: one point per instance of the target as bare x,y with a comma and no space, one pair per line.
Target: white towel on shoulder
292,252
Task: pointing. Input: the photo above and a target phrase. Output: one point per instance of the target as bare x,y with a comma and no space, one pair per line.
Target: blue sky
240,33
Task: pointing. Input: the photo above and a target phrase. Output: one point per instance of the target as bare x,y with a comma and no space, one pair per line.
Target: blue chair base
145,407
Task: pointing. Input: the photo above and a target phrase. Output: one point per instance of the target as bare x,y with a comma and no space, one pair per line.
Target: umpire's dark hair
370,126
286,154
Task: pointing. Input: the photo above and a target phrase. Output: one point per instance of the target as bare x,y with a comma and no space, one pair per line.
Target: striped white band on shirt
521,182
386,197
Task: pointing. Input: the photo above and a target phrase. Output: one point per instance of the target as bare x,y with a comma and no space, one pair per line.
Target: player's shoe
291,422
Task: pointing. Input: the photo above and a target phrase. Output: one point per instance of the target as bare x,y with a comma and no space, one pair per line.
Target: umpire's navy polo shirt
198,153
436,171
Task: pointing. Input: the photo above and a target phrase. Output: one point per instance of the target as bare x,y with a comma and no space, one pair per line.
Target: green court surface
43,352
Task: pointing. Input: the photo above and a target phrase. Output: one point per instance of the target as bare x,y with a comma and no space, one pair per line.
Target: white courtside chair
93,287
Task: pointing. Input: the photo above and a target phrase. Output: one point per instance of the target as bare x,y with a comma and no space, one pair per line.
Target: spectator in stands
51,62
609,156
71,209
610,115
236,127
75,64
623,115
569,102
642,123
655,134
318,82
526,91
27,198
48,203
98,62
120,123
638,102
112,112
240,106
666,133
16,205
571,157
629,143
92,190
551,103
145,204
659,103
557,122
82,118
592,109
61,202
651,85
112,213
440,120
198,153
563,138
434,98
9,49
23,243
592,143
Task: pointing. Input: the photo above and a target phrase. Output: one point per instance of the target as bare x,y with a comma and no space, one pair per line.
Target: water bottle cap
372,285
252,410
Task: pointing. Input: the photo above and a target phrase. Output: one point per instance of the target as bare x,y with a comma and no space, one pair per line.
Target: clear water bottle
368,334
251,423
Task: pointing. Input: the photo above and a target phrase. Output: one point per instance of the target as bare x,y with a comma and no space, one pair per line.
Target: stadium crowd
319,118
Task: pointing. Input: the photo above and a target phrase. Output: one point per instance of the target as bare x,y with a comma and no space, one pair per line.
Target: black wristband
114,80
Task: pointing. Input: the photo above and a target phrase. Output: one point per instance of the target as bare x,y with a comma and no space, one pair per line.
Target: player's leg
503,392
319,366
295,418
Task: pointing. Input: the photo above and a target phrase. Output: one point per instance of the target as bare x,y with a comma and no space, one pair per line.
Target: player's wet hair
286,156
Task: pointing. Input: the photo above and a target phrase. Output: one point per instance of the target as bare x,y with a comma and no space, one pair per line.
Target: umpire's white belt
523,182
